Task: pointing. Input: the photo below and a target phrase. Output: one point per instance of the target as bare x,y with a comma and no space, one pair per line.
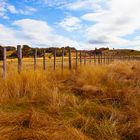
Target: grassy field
92,103
28,63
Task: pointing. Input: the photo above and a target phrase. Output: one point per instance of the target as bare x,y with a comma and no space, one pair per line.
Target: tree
1,53
26,51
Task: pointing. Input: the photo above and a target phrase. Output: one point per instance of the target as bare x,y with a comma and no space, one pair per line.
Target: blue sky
84,24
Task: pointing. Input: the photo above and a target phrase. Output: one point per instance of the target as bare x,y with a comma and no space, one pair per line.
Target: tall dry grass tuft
91,103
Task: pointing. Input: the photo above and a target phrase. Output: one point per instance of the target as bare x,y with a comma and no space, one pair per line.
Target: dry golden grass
92,103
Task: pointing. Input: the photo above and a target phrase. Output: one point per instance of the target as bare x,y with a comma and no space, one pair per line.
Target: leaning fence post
62,66
35,57
76,59
19,51
44,59
54,66
70,64
4,63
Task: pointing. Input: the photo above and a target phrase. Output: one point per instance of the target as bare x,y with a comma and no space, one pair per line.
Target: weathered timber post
99,59
111,58
129,57
94,58
19,53
35,58
4,63
120,58
90,57
104,59
85,57
80,57
76,59
113,54
108,59
44,59
62,66
70,60
54,66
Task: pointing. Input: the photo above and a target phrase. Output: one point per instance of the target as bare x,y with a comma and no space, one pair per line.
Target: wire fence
71,61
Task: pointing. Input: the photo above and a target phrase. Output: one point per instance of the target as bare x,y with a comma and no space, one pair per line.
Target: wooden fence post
62,66
4,63
54,67
113,54
90,57
44,59
85,57
104,59
94,58
19,51
80,57
76,59
70,63
35,58
129,57
99,59
108,58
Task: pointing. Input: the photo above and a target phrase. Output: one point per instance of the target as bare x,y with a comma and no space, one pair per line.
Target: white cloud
3,9
27,10
57,3
85,5
112,20
8,36
110,25
109,22
12,9
70,23
76,4
35,33
6,8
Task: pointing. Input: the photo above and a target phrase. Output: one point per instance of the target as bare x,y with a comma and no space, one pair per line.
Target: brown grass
92,103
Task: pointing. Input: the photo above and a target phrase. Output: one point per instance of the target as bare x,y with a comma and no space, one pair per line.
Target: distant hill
127,52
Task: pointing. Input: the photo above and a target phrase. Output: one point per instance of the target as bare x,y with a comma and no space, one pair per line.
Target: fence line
79,57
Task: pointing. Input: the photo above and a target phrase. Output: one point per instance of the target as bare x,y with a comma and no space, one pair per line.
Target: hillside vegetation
92,103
